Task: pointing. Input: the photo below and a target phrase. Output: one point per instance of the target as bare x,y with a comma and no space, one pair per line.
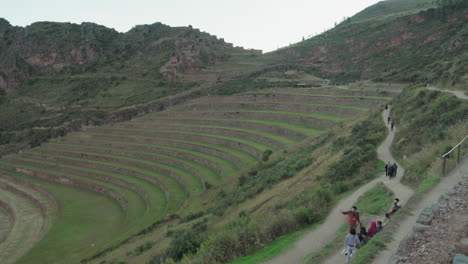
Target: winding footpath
446,183
326,232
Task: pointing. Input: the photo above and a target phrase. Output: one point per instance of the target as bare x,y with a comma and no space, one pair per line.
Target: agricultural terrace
90,190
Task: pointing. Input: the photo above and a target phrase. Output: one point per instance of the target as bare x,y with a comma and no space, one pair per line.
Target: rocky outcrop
49,48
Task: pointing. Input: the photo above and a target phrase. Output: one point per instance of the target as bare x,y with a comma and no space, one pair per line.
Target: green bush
186,242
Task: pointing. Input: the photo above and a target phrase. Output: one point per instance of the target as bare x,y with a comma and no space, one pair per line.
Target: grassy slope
74,230
384,43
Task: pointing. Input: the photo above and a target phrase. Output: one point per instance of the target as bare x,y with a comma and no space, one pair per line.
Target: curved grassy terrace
202,171
330,109
222,166
302,130
186,178
75,229
336,91
242,157
218,129
266,96
253,148
26,228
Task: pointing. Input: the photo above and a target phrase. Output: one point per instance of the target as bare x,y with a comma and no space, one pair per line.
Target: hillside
167,145
63,76
403,41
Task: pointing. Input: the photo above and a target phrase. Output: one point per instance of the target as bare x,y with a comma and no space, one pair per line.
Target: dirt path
401,191
459,94
325,233
429,199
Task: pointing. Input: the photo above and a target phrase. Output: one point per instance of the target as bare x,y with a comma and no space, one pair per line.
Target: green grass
177,191
427,184
305,130
333,118
154,192
192,181
376,200
226,166
274,249
75,227
135,204
353,107
208,173
244,157
367,253
283,140
260,147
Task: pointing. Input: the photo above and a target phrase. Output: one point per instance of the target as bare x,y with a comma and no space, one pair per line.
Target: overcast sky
260,24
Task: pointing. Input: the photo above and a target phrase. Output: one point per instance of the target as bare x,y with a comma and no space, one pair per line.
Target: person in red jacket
353,217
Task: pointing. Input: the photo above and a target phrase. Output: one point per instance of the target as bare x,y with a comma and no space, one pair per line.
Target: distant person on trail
386,106
387,169
390,170
388,119
353,217
392,125
395,208
395,168
372,229
351,242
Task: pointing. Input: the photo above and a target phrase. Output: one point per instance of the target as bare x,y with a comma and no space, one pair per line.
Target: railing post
443,166
458,156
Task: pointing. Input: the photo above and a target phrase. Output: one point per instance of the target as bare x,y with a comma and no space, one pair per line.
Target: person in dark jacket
362,232
395,168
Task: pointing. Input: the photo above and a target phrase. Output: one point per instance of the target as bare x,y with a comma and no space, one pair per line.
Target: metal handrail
446,155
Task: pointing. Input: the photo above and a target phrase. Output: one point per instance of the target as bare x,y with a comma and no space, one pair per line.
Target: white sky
260,24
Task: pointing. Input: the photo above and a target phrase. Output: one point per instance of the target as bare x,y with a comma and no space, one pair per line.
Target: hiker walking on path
351,242
392,125
353,217
388,119
394,170
387,169
391,170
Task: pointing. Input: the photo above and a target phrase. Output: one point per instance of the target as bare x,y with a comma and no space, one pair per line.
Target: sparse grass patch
375,201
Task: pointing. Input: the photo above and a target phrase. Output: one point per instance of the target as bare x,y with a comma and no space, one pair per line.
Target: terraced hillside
93,189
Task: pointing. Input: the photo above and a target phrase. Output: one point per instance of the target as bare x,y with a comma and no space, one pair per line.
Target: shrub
266,154
186,242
